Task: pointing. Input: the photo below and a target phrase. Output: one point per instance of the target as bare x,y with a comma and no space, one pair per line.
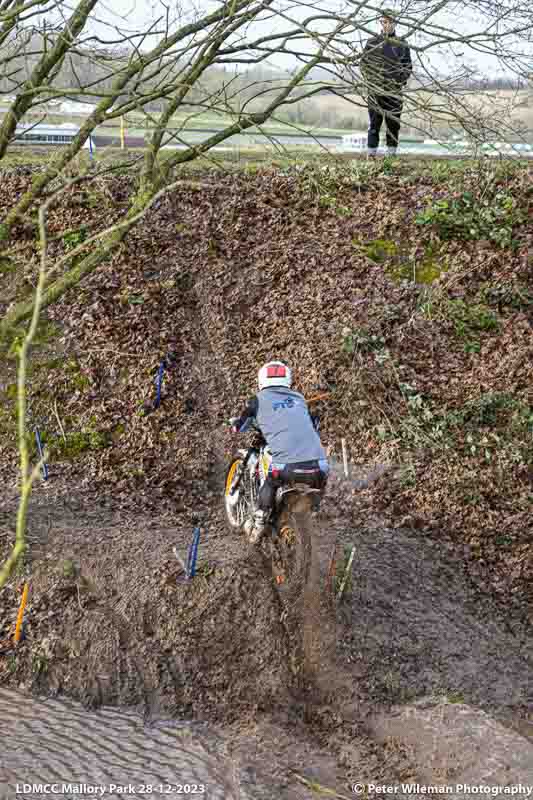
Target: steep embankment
433,379
429,378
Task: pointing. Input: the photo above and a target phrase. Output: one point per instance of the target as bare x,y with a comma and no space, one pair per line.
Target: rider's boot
259,525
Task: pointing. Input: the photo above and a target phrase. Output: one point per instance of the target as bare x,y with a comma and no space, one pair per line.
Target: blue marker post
159,381
91,147
193,554
41,454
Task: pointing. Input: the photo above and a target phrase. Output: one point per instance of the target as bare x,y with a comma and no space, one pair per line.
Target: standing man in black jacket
386,67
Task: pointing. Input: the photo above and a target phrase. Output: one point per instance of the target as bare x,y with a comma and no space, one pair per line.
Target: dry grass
509,112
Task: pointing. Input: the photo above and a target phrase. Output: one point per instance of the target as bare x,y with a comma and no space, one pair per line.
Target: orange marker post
20,615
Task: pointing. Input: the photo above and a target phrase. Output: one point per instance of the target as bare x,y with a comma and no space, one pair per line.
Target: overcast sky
139,15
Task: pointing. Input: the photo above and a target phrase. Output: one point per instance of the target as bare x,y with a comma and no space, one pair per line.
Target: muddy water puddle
55,748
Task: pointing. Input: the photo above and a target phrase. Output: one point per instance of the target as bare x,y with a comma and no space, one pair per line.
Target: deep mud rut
110,623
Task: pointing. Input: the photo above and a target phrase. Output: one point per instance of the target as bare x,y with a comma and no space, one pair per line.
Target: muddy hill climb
402,295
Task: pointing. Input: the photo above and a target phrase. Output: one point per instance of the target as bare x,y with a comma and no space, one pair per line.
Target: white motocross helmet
275,373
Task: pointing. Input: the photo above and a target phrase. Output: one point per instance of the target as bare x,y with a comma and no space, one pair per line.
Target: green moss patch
7,265
378,250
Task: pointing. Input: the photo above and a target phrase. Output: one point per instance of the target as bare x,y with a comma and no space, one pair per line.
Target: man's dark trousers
390,108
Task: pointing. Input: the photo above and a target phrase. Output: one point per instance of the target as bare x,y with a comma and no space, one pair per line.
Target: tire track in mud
201,356
317,617
52,741
320,677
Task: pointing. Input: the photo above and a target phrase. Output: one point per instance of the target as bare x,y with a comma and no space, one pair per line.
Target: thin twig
318,788
346,573
112,350
78,591
345,458
28,475
59,421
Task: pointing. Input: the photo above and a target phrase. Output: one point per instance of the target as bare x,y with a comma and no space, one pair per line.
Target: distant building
41,133
72,107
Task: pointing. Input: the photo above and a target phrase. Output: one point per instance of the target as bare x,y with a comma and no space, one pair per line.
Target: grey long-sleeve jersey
284,420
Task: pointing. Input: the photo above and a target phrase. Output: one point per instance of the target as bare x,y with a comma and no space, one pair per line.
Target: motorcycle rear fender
300,489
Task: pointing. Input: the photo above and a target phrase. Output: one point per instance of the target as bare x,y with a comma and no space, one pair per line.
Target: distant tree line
508,83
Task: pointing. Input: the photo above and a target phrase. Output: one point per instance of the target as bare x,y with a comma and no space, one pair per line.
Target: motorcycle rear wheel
296,574
292,555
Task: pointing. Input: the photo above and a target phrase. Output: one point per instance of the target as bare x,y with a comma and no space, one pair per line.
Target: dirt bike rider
283,418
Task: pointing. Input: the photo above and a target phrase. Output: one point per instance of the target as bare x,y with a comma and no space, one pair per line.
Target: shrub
466,216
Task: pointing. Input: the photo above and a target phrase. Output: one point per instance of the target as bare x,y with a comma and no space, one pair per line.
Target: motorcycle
289,520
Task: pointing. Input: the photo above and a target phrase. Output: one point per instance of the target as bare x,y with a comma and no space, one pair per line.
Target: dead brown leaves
248,270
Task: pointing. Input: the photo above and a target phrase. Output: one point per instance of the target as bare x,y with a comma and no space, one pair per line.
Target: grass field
207,121
508,113
424,112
